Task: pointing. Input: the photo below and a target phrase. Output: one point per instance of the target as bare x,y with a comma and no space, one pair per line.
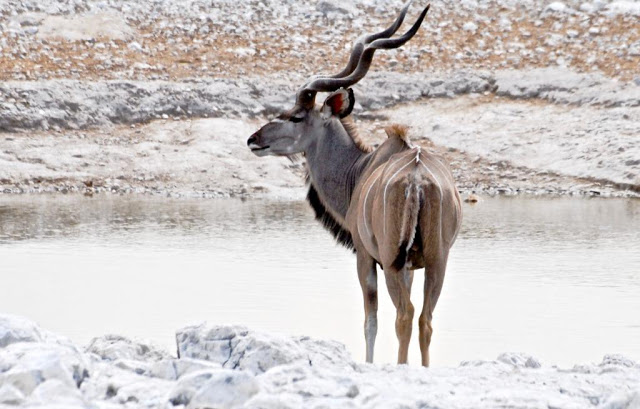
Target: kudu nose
252,139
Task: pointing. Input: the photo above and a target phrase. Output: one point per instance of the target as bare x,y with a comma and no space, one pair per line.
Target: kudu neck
335,163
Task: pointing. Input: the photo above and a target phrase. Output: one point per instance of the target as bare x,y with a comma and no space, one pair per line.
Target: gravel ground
177,39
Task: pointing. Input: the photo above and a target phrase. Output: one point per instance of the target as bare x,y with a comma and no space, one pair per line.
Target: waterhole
556,278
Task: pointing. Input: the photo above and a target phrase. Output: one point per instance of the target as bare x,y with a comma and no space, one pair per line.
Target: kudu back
396,206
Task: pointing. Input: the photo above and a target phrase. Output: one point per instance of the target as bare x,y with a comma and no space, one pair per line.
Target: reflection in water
42,218
557,278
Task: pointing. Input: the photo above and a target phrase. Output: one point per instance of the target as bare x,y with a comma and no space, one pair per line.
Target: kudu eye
296,119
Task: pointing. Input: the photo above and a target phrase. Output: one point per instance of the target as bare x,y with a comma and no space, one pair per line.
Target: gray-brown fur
396,205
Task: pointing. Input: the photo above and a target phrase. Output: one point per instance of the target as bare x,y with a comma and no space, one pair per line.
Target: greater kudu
397,206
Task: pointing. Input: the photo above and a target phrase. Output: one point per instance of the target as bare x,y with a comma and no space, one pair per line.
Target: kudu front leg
399,286
368,277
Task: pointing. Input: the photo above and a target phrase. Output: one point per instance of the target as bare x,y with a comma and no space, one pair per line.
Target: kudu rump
397,205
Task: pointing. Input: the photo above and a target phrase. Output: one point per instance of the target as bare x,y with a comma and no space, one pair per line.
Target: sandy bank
495,145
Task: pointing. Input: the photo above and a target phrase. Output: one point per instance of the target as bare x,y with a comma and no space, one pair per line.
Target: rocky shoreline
71,104
235,367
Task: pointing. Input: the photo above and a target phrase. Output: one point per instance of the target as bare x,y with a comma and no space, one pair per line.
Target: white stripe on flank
457,204
440,188
364,205
434,178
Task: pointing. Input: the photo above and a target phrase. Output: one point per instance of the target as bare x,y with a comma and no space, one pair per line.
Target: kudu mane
352,131
342,235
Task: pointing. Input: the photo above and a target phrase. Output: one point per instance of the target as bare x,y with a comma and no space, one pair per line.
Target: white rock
115,384
617,360
469,4
10,395
623,400
288,401
207,343
222,388
243,51
150,391
15,329
599,4
631,8
519,360
135,46
240,348
114,347
505,24
184,366
553,40
338,7
142,66
572,33
587,8
27,365
55,391
470,26
557,8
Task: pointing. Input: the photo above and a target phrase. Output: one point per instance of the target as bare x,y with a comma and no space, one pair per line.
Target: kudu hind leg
368,277
433,279
399,286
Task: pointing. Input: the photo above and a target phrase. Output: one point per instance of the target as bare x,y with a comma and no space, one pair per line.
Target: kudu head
294,130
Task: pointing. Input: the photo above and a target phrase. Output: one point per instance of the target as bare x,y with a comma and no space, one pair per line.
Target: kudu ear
339,103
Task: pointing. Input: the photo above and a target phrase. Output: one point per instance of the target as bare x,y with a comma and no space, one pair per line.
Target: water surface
557,278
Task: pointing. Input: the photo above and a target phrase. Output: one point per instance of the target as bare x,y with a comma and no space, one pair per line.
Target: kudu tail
408,231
